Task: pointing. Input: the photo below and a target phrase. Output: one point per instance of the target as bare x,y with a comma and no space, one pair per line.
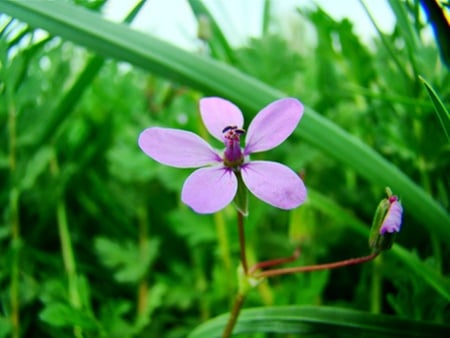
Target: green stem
240,297
142,215
67,253
376,287
241,230
15,221
237,306
326,266
15,262
69,260
224,247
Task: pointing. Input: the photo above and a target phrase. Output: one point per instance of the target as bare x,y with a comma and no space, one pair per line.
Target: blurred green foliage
94,240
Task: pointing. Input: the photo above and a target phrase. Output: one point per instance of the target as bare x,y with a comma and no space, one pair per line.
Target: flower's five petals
393,219
274,183
208,190
219,113
273,125
177,148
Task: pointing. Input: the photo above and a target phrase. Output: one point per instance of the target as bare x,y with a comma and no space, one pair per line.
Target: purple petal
273,125
393,219
177,148
219,113
274,183
208,190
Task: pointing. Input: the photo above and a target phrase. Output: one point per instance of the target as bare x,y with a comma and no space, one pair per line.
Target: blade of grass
406,29
386,43
441,27
220,48
69,100
314,321
121,42
266,17
441,112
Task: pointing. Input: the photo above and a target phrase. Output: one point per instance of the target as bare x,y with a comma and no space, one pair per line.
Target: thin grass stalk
14,218
67,252
143,288
386,44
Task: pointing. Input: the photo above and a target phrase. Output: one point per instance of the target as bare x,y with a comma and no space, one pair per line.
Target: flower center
233,156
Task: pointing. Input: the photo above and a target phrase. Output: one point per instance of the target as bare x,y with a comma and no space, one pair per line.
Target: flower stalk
241,231
274,262
317,267
234,315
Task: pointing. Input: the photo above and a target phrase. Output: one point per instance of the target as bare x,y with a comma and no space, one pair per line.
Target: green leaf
130,262
312,321
5,327
441,112
121,42
36,166
155,299
62,315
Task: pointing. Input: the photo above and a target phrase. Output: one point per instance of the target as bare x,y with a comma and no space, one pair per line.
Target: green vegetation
94,239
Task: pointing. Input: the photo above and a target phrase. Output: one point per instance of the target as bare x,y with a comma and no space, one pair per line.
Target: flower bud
386,223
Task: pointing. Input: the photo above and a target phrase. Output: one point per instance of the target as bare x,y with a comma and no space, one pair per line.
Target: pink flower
214,185
393,219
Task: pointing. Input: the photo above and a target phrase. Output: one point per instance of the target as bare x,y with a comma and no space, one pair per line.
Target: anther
228,128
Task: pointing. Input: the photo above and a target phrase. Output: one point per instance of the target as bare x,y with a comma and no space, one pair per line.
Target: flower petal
177,148
218,113
273,125
208,190
274,183
393,219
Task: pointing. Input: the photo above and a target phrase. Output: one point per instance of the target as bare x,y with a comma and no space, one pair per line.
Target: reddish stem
273,262
326,266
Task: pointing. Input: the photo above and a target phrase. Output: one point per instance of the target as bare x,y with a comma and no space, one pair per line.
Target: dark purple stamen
233,156
228,128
